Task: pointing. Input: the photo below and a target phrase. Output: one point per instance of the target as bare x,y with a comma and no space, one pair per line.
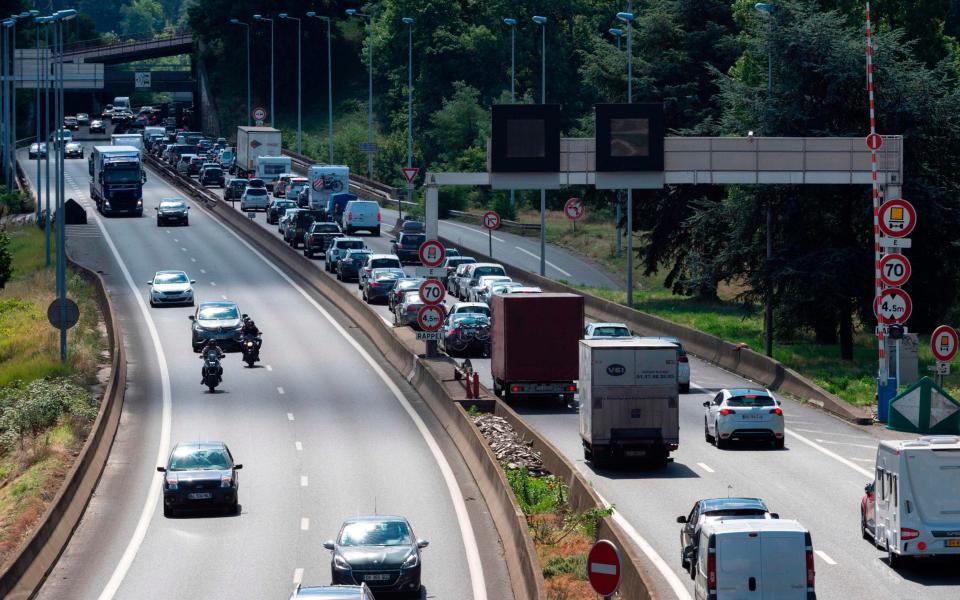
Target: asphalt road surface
818,479
322,430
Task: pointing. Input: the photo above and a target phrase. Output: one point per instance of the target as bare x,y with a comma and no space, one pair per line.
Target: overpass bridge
130,51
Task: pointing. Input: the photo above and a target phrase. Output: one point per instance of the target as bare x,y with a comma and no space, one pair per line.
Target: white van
912,508
270,168
361,214
758,559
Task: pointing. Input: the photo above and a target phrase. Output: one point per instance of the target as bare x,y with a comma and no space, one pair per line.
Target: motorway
818,479
324,432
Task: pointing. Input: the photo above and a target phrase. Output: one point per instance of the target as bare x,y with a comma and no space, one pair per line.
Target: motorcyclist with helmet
209,348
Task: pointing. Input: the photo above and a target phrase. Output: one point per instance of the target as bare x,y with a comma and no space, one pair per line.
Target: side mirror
328,545
681,519
707,403
193,281
150,282
421,543
244,316
774,515
162,469
238,467
689,553
156,208
192,318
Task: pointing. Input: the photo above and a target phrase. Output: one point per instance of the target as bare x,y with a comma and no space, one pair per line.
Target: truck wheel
587,454
497,390
893,559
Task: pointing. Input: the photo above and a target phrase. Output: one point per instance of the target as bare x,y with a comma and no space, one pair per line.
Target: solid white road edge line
549,264
153,494
471,229
675,584
474,563
833,455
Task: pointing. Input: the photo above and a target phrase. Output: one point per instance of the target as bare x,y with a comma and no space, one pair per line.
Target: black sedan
235,189
466,334
378,286
200,475
348,267
173,210
277,208
220,321
379,551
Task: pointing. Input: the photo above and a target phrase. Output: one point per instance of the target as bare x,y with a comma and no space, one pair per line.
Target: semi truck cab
116,180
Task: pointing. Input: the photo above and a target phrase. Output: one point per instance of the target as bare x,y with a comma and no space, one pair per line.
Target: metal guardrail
519,228
362,186
120,48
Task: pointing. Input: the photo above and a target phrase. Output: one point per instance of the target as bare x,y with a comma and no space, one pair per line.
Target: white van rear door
739,566
784,565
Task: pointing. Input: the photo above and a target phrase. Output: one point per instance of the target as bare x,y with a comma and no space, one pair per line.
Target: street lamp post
314,15
542,22
627,17
299,78
272,65
9,97
37,22
353,13
61,17
768,9
618,33
512,24
48,21
4,137
409,23
249,107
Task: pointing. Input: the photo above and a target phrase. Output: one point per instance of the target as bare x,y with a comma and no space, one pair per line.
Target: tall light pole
4,100
542,22
272,65
249,107
48,21
353,13
768,10
314,15
618,33
61,17
9,98
37,22
409,22
299,78
512,24
627,17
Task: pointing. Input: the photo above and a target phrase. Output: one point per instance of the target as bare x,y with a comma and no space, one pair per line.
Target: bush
6,259
30,409
15,203
559,565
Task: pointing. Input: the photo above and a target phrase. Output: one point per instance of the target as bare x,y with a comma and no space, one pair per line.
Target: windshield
412,241
384,262
750,401
387,533
350,245
325,228
199,459
219,313
273,169
122,175
172,205
462,310
736,512
612,331
170,278
256,191
357,256
479,272
215,171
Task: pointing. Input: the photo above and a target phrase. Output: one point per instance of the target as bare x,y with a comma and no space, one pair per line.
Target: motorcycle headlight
412,561
249,344
340,563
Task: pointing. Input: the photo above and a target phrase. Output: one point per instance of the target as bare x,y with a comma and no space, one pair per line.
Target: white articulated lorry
629,403
252,143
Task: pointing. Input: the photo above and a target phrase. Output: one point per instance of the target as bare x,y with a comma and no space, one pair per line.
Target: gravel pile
510,449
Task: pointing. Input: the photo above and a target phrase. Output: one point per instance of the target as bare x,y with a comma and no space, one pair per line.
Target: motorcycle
212,371
250,347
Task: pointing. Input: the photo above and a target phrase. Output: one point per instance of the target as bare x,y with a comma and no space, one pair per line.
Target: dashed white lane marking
193,259
549,264
829,453
304,524
168,231
705,468
290,416
472,230
269,368
298,446
222,296
859,437
176,240
297,576
183,249
844,444
204,271
280,391
303,481
826,558
213,283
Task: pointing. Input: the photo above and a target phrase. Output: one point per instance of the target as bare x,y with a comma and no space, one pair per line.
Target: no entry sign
893,306
430,318
491,220
432,292
574,209
894,270
603,568
897,218
874,141
944,343
432,253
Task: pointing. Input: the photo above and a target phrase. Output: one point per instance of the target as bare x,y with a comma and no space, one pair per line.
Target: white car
171,287
285,220
477,292
606,331
743,414
254,199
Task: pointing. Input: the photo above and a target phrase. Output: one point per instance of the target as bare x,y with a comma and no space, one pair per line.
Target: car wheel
339,277
376,232
159,222
706,433
778,443
186,221
719,441
168,512
863,527
893,559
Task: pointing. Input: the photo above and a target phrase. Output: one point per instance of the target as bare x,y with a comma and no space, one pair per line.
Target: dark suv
407,247
235,189
212,176
297,229
318,238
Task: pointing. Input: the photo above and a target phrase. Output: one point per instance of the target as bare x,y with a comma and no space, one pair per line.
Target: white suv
254,199
743,414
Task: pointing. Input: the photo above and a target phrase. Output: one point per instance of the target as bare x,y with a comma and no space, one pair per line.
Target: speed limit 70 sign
432,292
894,270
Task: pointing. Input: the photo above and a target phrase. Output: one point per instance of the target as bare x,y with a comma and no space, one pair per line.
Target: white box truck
629,403
754,558
127,139
326,180
915,505
253,142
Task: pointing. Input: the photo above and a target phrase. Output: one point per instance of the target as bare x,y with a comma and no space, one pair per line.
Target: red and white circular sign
897,218
491,220
574,209
894,270
430,317
603,568
259,113
874,141
944,343
893,307
432,253
432,292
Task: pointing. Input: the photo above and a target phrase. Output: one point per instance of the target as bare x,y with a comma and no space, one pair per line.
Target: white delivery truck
754,558
326,180
253,142
127,139
270,168
915,508
629,403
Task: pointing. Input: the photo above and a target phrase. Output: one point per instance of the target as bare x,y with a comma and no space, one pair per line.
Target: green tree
142,17
6,259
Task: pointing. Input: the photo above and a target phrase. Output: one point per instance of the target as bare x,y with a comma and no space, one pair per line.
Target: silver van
361,214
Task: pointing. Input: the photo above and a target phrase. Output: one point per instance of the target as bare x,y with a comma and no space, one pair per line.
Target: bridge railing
129,46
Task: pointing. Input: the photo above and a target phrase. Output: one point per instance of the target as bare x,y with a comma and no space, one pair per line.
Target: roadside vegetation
46,407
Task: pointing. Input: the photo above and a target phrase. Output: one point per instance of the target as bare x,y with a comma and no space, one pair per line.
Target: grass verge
46,407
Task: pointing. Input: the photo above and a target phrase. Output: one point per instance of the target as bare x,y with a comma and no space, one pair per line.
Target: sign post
603,568
430,318
574,210
491,220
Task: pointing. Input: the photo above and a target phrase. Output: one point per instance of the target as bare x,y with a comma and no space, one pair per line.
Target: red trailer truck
534,345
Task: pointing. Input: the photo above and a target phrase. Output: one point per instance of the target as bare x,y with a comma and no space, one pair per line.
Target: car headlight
412,561
340,563
173,484
226,481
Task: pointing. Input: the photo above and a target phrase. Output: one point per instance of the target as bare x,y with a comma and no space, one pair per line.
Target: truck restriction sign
432,253
491,220
603,568
574,209
430,318
432,292
897,218
894,270
259,113
893,306
944,343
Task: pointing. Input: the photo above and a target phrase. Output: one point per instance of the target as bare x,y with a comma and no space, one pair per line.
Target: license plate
376,577
953,543
200,496
751,417
636,452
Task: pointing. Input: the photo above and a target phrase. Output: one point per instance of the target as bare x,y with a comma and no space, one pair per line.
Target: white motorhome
912,508
326,180
754,558
269,168
127,139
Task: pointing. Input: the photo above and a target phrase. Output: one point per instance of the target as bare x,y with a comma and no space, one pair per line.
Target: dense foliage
29,409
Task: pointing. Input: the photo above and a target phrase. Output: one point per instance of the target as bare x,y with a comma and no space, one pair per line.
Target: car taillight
725,411
412,308
811,573
683,359
452,332
374,284
712,571
570,388
777,411
515,388
908,534
350,216
378,216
